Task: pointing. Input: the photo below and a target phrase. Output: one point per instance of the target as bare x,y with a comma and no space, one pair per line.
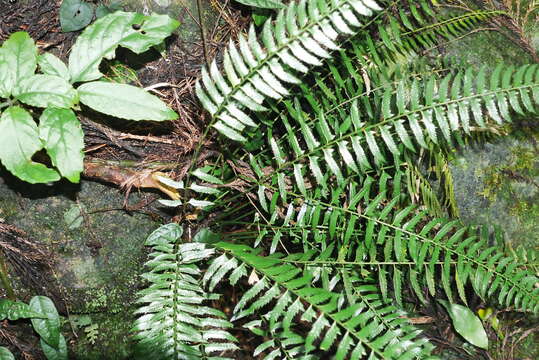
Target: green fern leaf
296,41
369,324
173,321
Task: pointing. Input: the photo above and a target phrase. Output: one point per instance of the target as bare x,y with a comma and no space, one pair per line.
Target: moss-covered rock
97,249
498,183
103,336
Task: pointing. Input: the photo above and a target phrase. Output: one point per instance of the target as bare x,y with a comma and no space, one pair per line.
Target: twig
161,85
202,32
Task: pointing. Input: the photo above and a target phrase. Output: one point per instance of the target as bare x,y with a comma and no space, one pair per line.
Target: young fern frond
366,327
405,37
421,191
173,321
301,37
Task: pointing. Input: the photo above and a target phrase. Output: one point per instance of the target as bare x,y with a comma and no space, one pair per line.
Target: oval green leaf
19,137
153,30
63,138
46,90
5,354
100,40
59,353
15,310
49,328
75,14
6,76
22,55
52,65
124,101
467,324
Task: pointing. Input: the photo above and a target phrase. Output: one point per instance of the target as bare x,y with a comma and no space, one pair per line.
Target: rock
498,184
98,252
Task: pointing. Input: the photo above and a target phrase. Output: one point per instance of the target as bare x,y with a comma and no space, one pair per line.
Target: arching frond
366,327
418,29
319,149
302,36
407,246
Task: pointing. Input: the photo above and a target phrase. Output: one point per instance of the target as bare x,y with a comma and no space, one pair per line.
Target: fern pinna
333,246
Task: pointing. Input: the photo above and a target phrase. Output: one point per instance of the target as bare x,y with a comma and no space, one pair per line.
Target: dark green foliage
355,326
45,320
254,73
413,114
337,230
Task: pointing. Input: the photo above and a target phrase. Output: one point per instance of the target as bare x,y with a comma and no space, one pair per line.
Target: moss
112,341
487,48
97,264
498,183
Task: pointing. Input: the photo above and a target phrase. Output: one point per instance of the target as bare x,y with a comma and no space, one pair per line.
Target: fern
334,180
300,38
413,115
402,37
368,326
384,233
173,322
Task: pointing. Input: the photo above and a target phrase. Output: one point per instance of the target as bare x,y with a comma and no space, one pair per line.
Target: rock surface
98,253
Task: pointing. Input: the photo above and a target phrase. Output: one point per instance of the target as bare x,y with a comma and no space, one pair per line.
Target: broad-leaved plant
41,94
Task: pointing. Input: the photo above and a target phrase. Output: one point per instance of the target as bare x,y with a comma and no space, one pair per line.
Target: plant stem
5,279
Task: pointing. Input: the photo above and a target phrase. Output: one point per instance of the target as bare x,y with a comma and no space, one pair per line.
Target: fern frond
371,61
407,245
302,36
410,33
437,195
366,327
322,148
173,321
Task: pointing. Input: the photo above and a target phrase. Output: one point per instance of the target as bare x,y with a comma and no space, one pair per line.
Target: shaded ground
95,251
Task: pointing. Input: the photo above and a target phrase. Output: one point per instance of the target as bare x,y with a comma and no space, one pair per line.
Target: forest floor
123,154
